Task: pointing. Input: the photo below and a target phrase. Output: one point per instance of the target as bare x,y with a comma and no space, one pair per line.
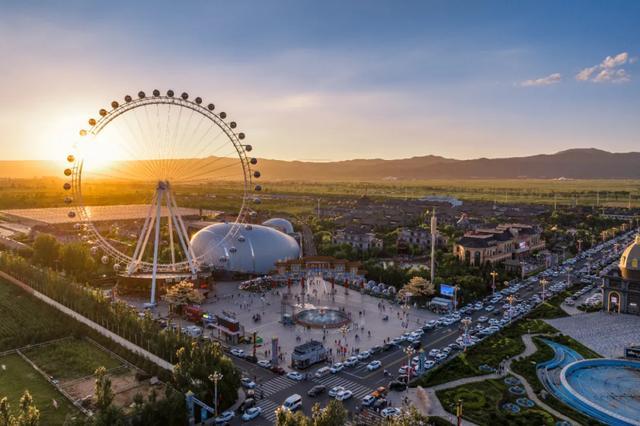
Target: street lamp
409,351
344,330
510,299
465,323
493,274
569,269
543,283
215,378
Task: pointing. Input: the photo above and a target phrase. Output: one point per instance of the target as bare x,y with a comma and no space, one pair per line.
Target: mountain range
586,163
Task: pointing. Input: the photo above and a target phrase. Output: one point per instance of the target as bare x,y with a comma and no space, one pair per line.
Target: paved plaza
367,327
607,334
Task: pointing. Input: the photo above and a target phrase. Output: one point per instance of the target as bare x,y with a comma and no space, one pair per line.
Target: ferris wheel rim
106,117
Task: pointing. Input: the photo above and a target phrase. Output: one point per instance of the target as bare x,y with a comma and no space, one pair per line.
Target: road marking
268,409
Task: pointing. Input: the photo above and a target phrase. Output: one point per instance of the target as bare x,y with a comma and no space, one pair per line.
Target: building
360,238
621,289
253,249
418,238
495,245
329,268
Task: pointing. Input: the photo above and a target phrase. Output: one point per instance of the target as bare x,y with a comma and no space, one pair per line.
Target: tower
434,235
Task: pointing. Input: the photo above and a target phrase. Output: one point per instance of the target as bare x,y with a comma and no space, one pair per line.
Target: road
361,382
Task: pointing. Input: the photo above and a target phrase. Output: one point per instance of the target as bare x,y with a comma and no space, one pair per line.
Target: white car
336,368
368,400
294,375
429,364
251,413
237,352
225,417
483,319
334,390
374,365
434,352
265,363
364,355
351,361
344,395
248,383
390,412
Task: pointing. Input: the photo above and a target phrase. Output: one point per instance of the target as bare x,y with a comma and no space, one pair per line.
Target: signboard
447,290
632,352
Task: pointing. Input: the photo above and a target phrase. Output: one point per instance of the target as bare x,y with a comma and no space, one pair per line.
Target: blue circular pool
608,389
322,318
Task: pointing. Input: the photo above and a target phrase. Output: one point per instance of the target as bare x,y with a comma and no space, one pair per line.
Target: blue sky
335,80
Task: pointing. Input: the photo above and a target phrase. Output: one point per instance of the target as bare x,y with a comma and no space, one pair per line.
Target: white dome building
282,225
243,248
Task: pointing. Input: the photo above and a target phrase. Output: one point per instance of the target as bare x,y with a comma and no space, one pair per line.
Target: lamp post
543,283
579,245
465,323
409,351
510,299
344,330
569,269
493,274
215,378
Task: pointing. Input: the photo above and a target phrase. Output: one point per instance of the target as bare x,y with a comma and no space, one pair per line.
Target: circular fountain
321,318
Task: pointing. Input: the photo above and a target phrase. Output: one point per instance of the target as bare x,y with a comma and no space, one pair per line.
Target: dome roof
282,225
243,248
630,261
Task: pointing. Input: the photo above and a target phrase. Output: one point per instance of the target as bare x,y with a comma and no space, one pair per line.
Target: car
380,403
396,385
397,340
416,344
441,357
344,395
406,370
294,375
483,319
364,355
386,347
375,349
379,392
351,361
264,363
292,403
225,417
434,352
368,400
403,378
374,365
251,413
429,364
247,383
316,390
237,352
336,368
431,324
278,370
323,371
251,358
334,390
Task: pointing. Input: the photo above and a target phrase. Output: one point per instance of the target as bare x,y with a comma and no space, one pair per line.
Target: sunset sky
326,80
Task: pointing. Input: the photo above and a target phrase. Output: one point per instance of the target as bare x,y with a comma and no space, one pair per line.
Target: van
292,403
321,372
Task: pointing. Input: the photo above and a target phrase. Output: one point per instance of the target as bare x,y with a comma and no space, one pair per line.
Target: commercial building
419,238
360,238
621,289
329,268
495,245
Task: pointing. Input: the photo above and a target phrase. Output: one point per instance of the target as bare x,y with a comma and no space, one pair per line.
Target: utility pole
459,412
434,236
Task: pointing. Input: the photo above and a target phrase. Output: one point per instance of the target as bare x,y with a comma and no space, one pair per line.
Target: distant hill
571,164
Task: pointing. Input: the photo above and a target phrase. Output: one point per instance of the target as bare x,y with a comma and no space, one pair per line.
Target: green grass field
71,359
17,375
25,320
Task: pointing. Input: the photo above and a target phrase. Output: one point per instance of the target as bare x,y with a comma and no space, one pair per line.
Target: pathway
436,409
97,327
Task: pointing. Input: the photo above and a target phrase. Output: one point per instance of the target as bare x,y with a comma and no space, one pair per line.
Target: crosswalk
268,409
276,385
358,390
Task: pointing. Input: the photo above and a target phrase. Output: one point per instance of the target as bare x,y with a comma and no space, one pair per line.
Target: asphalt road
275,389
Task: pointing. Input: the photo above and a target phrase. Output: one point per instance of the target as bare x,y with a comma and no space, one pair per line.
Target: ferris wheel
164,154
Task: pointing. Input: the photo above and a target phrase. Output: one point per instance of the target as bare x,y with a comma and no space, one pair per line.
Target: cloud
544,81
608,71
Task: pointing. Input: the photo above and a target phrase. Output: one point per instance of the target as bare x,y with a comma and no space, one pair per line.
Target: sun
97,153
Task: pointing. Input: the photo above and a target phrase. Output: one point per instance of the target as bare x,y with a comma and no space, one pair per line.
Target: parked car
374,365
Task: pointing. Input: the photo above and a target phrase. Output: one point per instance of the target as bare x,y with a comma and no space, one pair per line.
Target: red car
278,370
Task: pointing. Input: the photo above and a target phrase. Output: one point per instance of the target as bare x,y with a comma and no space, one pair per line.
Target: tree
410,417
5,416
334,414
287,418
76,260
103,392
46,250
182,294
28,415
420,288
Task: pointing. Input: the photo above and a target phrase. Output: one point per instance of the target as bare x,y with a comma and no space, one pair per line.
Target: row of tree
73,258
194,362
27,415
